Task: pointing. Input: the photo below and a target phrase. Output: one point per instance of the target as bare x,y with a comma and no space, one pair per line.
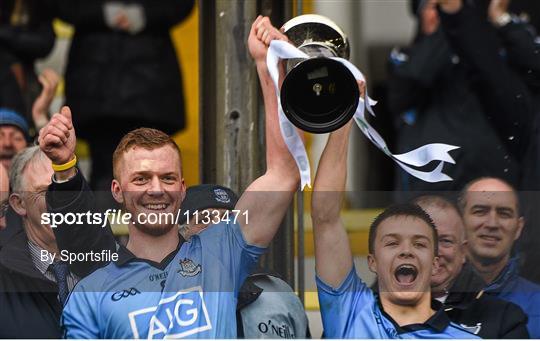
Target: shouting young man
402,253
161,285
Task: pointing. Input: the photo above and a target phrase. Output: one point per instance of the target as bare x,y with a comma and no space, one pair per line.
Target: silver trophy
318,94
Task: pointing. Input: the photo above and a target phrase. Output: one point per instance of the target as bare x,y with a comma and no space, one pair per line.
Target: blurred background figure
122,73
499,40
529,10
49,81
26,34
523,45
15,132
517,24
14,135
436,94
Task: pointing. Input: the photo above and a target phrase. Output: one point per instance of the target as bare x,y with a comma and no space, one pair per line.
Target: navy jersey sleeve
76,197
339,305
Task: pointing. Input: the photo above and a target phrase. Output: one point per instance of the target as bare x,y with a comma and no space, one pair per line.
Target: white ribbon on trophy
417,158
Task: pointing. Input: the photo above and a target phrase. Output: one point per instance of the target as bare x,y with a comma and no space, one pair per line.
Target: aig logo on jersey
180,315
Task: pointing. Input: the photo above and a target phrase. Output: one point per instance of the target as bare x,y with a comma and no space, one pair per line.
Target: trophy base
319,95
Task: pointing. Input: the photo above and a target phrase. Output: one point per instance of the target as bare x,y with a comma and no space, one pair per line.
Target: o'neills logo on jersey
180,315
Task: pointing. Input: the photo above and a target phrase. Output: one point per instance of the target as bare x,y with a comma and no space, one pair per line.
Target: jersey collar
438,321
125,256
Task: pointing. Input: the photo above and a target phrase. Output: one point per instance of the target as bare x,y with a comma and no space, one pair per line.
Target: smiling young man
493,223
162,286
402,253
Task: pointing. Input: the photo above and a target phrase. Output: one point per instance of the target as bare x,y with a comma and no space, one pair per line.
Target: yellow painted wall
186,40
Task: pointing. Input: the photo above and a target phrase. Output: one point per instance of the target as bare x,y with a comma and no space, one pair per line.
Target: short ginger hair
147,138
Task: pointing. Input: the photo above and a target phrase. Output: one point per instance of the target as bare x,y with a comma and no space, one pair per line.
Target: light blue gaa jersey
192,293
353,311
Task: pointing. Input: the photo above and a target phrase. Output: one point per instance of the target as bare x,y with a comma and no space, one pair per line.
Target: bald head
489,186
444,213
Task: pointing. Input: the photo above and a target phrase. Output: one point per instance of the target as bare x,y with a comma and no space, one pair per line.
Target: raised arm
523,49
414,70
333,258
504,94
69,193
266,200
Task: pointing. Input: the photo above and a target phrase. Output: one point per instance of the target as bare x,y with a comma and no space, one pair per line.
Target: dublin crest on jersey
222,196
188,268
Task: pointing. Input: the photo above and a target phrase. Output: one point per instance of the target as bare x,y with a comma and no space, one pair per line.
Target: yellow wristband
65,166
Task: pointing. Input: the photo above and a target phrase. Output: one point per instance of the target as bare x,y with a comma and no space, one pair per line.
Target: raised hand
122,21
49,79
497,8
57,139
450,6
261,34
429,17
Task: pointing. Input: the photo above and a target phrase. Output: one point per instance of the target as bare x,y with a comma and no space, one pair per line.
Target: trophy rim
313,18
341,49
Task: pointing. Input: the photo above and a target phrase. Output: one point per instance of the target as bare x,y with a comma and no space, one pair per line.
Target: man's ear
463,250
372,263
183,189
436,265
521,223
116,191
16,202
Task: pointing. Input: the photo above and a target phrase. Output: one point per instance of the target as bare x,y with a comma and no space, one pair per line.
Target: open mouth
406,274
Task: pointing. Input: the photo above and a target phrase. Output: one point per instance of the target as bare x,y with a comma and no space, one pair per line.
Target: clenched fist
57,139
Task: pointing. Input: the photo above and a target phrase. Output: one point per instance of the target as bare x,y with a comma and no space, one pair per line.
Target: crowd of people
446,266
471,78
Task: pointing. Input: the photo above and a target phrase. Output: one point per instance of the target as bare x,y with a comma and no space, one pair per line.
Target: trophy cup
318,94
